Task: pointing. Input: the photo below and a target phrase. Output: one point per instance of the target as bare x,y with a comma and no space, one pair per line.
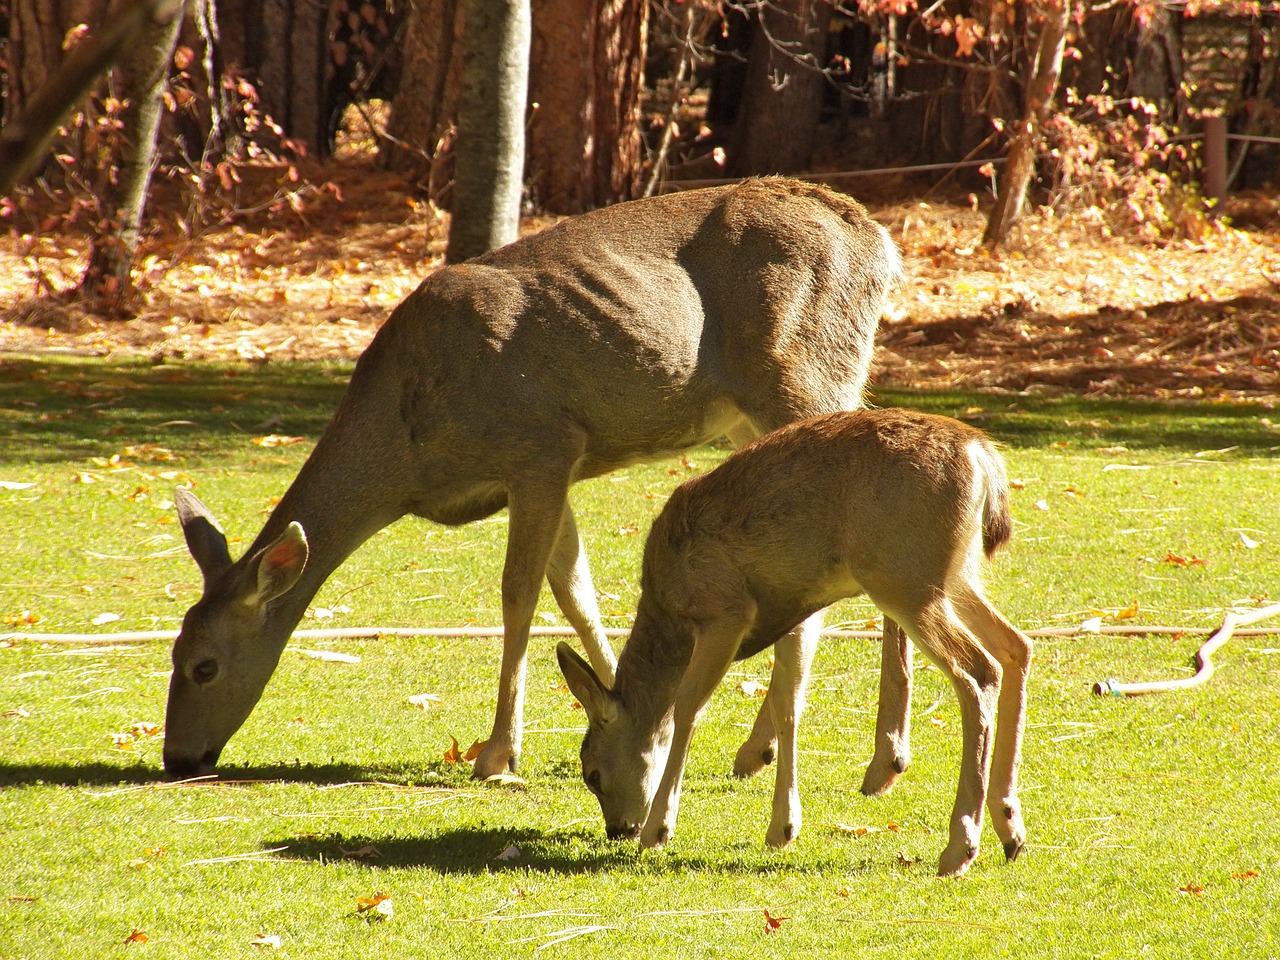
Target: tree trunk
283,46
491,114
586,75
782,96
37,44
425,107
1052,19
26,136
143,70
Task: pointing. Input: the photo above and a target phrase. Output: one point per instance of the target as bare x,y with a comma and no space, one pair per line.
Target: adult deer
898,505
624,335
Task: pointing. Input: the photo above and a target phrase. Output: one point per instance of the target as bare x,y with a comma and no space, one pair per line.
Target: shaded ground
314,273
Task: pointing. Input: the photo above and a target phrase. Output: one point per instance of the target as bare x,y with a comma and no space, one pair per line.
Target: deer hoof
750,760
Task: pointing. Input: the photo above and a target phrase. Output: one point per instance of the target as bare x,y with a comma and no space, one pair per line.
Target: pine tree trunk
143,69
491,115
782,96
586,75
425,107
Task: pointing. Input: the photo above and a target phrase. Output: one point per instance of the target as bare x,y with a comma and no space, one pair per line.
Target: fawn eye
593,781
204,671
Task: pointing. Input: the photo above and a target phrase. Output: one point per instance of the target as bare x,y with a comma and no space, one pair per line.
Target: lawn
1151,821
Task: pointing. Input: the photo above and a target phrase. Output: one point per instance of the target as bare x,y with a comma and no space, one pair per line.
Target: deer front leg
713,653
892,753
571,584
793,658
534,520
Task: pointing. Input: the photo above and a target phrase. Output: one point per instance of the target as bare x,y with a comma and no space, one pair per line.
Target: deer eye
593,781
204,671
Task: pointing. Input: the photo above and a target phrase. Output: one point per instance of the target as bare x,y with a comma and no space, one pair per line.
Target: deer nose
623,831
183,768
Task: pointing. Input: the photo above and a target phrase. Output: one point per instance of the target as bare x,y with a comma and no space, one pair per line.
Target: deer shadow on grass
99,774
519,849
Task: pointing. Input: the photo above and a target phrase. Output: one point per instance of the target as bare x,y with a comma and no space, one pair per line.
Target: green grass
1152,821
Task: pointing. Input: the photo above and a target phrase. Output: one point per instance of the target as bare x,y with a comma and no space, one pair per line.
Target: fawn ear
601,705
205,539
276,567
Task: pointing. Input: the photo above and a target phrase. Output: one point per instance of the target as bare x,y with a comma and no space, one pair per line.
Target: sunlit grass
1150,820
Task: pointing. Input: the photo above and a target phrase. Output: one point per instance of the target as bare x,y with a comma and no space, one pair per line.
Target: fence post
1214,157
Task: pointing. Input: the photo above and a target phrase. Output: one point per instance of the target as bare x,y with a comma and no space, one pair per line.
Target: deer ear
600,704
205,539
276,568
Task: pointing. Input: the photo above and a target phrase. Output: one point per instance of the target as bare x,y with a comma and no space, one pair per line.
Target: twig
357,633
256,856
1204,665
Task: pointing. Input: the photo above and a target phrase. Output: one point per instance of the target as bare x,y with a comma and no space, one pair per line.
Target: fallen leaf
1092,625
15,485
1188,561
628,530
1248,542
1193,889
857,831
773,924
1249,874
1042,505
137,936
506,780
424,700
268,941
377,907
276,440
511,853
1128,613
104,618
366,852
473,751
454,753
752,688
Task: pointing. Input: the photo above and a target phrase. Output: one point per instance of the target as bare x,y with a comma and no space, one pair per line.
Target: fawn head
622,761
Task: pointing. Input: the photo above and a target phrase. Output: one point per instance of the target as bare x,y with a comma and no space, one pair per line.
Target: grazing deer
627,334
898,505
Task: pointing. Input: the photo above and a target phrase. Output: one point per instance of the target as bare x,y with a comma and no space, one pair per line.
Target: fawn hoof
954,862
880,776
781,839
751,759
657,840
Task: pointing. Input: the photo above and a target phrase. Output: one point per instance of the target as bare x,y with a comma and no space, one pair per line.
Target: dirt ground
311,269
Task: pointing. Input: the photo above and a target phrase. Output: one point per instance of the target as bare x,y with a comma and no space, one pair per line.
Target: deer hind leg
975,675
714,648
793,658
571,584
535,516
893,716
1012,649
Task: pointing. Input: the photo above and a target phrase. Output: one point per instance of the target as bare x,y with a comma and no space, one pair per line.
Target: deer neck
335,501
650,667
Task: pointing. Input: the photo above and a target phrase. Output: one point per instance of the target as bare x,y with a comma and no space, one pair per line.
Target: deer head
221,662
